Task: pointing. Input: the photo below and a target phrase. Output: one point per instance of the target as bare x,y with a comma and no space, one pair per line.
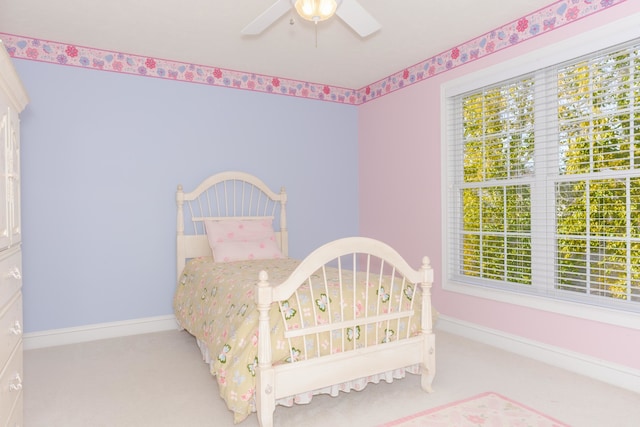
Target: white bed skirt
333,390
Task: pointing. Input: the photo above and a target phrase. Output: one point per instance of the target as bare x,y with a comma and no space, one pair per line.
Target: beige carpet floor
160,380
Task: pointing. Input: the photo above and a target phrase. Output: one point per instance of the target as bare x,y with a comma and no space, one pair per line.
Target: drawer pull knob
16,384
17,328
15,273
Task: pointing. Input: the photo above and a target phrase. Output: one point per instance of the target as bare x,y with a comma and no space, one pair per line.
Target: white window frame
609,35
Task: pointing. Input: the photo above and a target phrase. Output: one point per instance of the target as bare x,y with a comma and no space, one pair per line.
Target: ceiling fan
350,11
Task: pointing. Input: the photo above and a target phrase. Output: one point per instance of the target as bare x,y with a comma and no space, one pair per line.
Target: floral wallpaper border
542,21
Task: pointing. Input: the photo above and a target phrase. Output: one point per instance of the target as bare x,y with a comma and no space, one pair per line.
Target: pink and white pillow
242,239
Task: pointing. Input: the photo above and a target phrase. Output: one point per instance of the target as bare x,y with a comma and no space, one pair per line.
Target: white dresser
13,99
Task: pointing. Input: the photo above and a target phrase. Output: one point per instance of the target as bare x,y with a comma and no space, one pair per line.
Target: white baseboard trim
617,375
98,331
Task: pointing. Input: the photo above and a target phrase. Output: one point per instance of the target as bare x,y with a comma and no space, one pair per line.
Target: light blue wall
102,154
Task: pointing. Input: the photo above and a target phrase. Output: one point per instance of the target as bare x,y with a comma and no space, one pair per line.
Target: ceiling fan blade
355,16
268,17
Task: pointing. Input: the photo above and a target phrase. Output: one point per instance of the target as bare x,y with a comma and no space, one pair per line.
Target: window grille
543,174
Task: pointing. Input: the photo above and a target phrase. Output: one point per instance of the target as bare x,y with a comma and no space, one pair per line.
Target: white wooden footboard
385,286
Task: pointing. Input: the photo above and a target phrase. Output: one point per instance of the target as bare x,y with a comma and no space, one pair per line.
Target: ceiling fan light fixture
316,10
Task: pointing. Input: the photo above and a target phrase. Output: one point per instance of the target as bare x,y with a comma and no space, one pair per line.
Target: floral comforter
215,302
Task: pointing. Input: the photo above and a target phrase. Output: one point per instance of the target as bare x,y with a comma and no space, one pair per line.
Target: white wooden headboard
224,195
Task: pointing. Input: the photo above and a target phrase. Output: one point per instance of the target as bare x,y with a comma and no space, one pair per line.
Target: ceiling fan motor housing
316,10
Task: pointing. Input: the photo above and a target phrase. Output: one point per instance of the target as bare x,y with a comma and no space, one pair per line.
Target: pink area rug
484,410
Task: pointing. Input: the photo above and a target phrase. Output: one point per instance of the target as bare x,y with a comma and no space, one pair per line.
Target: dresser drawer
10,384
10,276
10,327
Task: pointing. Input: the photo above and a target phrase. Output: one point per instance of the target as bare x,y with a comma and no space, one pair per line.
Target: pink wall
400,189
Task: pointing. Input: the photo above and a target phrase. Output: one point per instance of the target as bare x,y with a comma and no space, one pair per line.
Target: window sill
567,308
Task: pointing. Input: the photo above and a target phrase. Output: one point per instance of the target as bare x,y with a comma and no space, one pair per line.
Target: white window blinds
544,181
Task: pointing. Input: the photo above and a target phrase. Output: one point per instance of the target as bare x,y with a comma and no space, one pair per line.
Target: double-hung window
542,194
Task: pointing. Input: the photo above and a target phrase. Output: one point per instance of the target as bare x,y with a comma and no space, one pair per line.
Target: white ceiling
207,32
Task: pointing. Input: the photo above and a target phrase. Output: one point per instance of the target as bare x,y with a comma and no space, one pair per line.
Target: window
543,181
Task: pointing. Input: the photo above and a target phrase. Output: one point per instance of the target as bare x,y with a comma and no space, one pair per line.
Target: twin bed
276,330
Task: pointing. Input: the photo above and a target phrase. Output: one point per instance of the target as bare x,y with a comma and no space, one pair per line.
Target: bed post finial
284,237
180,250
427,282
180,203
